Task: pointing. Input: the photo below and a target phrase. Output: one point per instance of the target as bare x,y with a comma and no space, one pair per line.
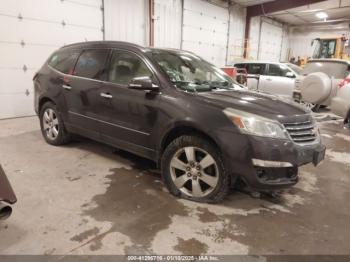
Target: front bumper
267,163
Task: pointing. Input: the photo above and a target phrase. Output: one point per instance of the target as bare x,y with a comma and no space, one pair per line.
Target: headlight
255,124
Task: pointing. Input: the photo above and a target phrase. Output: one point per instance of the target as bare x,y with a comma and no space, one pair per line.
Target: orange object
230,70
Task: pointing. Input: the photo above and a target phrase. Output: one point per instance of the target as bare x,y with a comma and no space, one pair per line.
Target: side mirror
143,83
290,75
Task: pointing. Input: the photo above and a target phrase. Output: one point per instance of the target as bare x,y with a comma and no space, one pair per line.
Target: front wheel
52,126
192,168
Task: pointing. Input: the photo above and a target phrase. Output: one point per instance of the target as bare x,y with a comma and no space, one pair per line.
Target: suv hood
268,106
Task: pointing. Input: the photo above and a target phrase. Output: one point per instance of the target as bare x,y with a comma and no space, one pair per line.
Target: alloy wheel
50,124
194,171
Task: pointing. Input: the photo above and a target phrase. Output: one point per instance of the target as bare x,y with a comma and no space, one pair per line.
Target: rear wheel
52,126
192,168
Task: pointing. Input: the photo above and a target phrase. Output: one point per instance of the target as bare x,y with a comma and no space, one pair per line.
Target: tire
197,180
52,126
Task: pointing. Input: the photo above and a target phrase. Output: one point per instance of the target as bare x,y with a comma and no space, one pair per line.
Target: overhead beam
267,8
276,6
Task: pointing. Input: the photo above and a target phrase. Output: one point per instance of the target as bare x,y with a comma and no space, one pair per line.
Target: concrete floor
87,198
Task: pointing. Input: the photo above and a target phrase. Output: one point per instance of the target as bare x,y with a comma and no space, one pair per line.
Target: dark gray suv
202,129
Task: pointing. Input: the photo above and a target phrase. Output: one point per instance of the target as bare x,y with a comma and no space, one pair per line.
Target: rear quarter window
64,61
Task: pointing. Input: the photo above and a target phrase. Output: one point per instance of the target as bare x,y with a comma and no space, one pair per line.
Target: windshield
332,69
191,73
324,48
295,68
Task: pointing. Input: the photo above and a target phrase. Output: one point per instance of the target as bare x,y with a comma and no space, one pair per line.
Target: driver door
127,116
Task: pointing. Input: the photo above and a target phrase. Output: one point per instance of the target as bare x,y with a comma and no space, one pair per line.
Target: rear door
276,82
81,90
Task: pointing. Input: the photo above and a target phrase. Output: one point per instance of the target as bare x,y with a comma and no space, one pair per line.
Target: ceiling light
321,15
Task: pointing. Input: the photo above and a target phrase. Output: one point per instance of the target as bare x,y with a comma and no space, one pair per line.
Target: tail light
344,82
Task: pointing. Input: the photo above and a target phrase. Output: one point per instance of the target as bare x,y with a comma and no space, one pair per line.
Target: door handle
67,87
106,95
268,79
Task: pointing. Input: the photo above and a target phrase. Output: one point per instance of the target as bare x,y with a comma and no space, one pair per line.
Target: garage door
270,42
31,30
205,30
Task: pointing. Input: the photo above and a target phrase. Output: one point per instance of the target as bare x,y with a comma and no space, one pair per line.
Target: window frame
143,59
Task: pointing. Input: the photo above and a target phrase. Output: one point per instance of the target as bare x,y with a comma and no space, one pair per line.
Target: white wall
270,42
167,23
285,52
254,37
236,33
267,38
127,20
45,26
300,38
205,28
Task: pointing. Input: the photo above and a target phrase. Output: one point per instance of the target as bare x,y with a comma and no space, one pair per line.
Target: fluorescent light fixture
321,15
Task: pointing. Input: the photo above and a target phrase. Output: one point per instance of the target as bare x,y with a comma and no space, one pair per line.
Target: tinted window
125,66
240,65
256,69
332,69
277,70
91,63
64,61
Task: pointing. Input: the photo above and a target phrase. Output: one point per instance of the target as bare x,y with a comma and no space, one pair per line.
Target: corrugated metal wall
270,42
236,33
254,38
30,30
205,30
126,20
266,39
167,23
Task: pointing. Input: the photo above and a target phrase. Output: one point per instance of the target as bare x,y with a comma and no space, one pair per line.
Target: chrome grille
302,132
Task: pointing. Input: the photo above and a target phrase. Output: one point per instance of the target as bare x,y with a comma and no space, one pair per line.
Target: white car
270,77
319,80
340,104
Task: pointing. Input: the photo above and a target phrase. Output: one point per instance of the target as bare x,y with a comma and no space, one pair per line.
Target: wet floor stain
85,235
130,207
191,246
137,205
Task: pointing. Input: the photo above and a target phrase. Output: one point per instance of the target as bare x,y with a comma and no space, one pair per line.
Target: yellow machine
331,47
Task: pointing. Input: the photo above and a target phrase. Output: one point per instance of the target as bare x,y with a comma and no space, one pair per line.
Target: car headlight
256,125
